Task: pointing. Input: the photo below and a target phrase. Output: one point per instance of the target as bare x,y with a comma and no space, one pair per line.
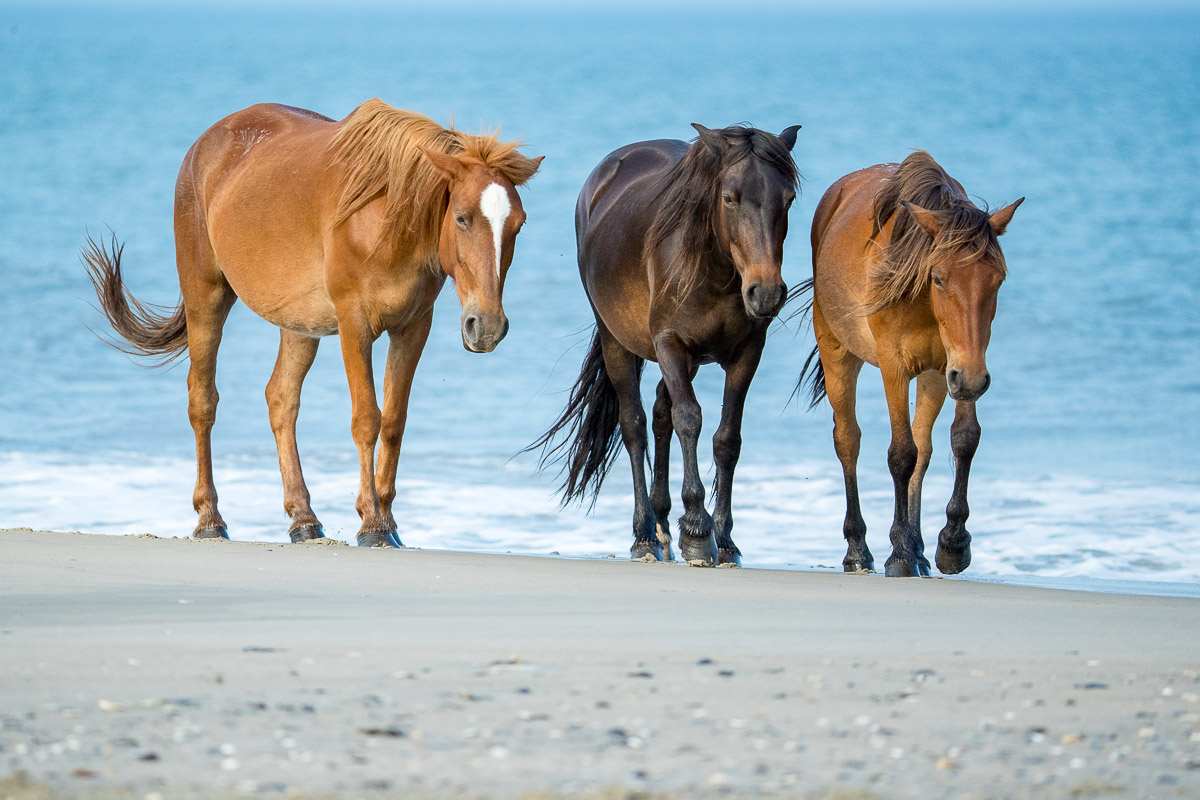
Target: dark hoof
906,569
731,557
211,532
698,551
646,551
697,542
306,533
952,562
858,565
379,539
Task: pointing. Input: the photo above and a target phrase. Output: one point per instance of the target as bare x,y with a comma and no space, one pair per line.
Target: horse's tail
816,379
590,420
146,330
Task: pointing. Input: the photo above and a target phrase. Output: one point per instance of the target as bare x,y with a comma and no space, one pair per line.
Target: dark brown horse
679,251
321,228
905,276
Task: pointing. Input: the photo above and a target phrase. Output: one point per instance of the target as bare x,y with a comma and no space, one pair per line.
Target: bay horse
679,249
322,228
906,272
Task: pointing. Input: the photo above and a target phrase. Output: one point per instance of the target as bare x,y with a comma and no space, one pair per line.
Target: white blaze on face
496,207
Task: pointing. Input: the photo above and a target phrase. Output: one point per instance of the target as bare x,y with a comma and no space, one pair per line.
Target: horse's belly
303,307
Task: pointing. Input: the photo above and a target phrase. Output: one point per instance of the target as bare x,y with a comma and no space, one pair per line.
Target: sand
136,667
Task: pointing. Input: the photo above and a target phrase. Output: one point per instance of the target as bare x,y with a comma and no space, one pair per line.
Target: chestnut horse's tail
816,379
590,420
146,331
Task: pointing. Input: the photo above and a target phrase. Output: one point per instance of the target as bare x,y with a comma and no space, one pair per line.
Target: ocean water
1089,465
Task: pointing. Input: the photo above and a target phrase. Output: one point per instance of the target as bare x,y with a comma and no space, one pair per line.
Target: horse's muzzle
967,387
764,300
481,332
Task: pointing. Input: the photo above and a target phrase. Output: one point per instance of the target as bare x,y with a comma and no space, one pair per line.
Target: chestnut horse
906,271
321,228
679,250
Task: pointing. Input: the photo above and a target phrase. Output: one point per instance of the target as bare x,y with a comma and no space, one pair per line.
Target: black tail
816,380
147,331
590,420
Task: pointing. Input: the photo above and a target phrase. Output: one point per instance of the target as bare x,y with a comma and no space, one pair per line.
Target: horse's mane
690,193
906,268
378,147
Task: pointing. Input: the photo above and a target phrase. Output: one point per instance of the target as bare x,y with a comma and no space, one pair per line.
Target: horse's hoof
379,539
952,562
858,565
306,533
729,557
211,532
664,538
700,552
904,569
923,566
646,551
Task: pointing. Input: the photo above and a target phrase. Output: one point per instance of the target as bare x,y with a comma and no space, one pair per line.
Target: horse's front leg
727,444
954,543
905,560
931,394
357,339
697,541
404,351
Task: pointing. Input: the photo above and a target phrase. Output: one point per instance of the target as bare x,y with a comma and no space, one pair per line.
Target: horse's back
612,216
256,188
843,253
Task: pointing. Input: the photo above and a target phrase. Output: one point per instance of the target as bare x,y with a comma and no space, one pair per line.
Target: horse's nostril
987,381
954,378
471,326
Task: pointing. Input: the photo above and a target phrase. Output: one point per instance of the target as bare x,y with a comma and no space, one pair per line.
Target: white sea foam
1045,527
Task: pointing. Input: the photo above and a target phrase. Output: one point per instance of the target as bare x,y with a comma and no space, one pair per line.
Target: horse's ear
788,137
999,221
928,220
525,169
714,140
448,164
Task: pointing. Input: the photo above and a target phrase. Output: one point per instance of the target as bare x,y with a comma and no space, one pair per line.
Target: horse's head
479,231
966,270
757,187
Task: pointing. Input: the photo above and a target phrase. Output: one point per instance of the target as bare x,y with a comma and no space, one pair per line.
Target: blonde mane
378,148
904,271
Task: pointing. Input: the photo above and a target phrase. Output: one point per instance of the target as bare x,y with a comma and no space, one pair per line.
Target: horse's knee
902,459
364,426
687,419
727,445
964,438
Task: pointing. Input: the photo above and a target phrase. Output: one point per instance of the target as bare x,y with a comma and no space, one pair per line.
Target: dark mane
906,268
687,202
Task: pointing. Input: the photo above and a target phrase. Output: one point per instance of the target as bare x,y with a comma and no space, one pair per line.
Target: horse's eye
461,220
938,282
727,198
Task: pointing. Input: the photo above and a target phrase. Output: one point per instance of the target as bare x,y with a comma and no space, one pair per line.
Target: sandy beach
166,668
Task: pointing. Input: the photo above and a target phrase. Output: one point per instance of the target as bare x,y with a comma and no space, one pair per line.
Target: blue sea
1089,466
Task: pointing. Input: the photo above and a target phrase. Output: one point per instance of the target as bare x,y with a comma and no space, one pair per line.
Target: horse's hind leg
727,445
841,368
660,490
954,543
296,354
207,303
625,372
931,394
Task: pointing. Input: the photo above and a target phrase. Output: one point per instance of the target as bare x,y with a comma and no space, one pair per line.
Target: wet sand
135,667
